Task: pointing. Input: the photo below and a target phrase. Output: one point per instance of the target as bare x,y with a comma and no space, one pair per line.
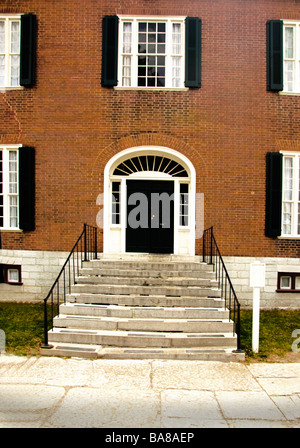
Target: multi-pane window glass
184,205
1,191
291,43
9,52
13,189
288,195
9,190
152,53
289,63
116,203
291,196
127,50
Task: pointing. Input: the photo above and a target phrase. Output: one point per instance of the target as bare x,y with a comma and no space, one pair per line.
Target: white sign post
257,281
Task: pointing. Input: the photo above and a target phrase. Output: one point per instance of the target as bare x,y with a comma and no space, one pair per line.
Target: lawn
23,324
275,336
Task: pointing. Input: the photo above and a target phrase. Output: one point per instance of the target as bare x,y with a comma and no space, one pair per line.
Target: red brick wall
225,128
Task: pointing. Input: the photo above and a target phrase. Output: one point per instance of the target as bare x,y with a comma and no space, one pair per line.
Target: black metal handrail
212,255
85,249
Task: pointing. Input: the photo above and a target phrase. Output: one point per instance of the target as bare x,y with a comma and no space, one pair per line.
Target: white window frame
291,86
169,21
8,53
184,219
114,239
6,193
294,202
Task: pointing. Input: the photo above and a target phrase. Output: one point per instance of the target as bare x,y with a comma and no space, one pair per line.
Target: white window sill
162,89
289,93
3,229
289,237
4,89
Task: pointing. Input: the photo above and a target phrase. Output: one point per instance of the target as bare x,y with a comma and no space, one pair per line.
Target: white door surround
148,163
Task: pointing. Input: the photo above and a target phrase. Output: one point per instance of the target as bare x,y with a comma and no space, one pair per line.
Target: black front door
150,216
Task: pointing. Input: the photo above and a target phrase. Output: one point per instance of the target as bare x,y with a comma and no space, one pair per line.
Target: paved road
42,392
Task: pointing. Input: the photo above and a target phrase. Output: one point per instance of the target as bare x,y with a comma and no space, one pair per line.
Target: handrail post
46,344
211,245
96,254
85,243
238,331
204,238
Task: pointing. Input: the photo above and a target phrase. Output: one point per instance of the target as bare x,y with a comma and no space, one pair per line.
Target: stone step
135,324
138,300
68,349
147,273
148,264
141,339
197,354
223,354
144,307
144,312
149,281
172,291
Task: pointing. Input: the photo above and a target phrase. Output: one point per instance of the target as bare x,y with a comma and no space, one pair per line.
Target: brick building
105,98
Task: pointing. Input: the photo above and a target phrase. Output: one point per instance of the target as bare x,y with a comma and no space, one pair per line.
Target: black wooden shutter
193,52
26,188
110,51
274,194
275,55
28,50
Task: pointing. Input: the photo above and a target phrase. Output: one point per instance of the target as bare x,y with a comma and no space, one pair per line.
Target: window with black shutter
151,52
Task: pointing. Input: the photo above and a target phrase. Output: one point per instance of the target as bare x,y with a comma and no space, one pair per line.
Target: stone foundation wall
39,269
239,272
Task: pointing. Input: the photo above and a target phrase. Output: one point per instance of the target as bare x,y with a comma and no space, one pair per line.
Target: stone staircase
144,307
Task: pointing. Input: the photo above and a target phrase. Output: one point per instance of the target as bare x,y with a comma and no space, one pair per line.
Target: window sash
291,52
291,195
9,188
116,203
10,39
151,52
184,205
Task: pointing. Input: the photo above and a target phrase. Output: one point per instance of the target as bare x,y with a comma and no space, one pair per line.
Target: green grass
275,335
23,324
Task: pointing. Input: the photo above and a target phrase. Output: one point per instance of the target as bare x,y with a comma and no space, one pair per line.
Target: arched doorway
149,202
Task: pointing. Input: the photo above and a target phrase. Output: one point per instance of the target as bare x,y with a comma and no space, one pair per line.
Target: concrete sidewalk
42,392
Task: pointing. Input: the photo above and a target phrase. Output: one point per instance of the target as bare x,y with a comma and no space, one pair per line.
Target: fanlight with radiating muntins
150,163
